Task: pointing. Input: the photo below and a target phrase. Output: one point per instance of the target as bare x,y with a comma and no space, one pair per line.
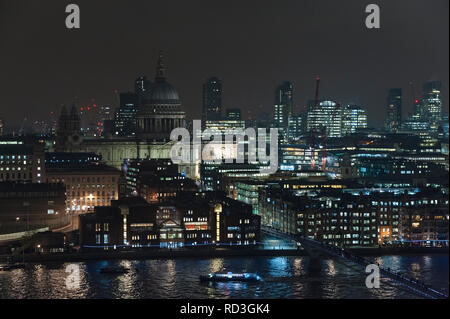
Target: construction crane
313,137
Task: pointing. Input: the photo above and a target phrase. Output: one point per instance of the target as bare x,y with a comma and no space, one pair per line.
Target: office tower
353,118
283,109
295,127
432,104
212,99
327,115
234,114
125,121
394,110
416,122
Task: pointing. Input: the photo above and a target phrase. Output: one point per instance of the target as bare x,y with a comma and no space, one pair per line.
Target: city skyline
246,84
242,153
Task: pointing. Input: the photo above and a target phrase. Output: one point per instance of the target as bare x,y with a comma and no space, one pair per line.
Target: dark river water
283,277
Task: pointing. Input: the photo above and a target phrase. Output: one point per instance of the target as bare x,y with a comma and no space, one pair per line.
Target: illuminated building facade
195,219
425,221
360,217
225,125
416,122
86,186
125,120
354,118
325,116
22,162
295,127
297,157
283,109
156,180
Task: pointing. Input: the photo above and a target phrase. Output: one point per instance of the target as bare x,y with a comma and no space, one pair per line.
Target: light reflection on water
283,277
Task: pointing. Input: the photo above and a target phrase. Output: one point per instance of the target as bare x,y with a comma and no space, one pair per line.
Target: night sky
251,45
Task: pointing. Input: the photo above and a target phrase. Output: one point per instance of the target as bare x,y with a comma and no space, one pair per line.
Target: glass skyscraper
353,118
327,115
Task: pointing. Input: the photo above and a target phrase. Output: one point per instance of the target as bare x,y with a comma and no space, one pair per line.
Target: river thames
283,277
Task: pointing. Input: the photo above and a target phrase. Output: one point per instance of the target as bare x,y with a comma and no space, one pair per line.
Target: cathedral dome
161,93
161,109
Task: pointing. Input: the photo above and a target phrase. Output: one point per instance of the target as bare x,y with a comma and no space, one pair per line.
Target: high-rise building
353,118
326,115
125,121
283,109
432,103
416,122
295,127
394,110
212,99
